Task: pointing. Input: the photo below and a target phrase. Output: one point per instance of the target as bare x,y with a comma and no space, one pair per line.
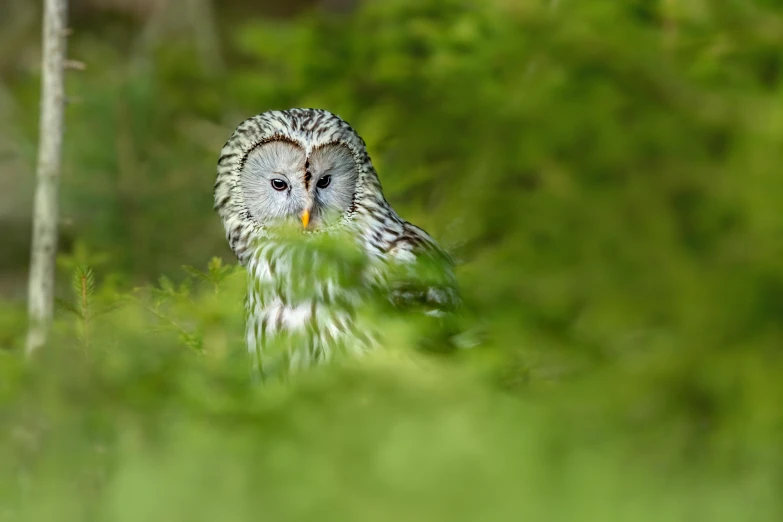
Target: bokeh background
606,174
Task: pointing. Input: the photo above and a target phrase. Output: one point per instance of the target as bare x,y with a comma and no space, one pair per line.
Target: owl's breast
302,305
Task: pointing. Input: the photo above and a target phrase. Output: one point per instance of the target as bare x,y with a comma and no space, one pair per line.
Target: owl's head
281,180
303,166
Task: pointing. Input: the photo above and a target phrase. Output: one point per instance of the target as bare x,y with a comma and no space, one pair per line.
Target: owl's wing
421,274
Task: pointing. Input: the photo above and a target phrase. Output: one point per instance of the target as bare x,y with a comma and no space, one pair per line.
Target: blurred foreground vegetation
606,173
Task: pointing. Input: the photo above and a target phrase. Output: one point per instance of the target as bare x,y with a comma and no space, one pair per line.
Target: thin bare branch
75,65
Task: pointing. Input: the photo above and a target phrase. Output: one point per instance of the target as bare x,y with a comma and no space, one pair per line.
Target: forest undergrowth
605,175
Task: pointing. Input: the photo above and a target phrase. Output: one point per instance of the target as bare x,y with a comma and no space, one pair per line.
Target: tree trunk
45,204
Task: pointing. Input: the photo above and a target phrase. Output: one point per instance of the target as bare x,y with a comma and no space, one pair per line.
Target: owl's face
281,182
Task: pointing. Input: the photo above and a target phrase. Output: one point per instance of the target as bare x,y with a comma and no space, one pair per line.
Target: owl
288,181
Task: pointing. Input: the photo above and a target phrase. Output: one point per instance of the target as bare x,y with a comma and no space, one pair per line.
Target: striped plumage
303,301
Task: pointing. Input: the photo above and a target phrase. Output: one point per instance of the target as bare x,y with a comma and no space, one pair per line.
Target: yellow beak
305,218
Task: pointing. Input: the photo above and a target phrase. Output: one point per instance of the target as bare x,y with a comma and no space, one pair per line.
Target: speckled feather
315,326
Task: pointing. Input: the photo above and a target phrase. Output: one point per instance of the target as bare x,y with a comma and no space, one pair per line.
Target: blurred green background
606,173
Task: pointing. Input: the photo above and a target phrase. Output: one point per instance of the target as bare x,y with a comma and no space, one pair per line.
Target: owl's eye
279,184
324,182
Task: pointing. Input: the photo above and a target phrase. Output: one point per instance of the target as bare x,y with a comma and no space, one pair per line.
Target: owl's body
304,303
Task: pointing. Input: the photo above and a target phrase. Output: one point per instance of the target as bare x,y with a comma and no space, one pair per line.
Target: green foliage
83,286
215,274
13,323
606,175
192,315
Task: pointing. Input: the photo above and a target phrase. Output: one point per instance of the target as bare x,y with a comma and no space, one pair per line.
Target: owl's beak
305,218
